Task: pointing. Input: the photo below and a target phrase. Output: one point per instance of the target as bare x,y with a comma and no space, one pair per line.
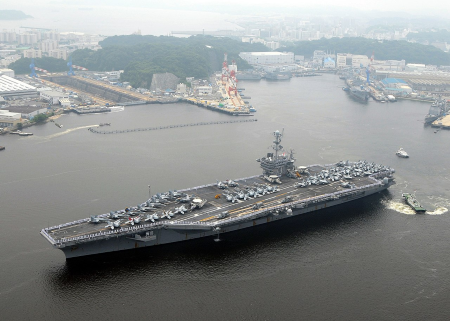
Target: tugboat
402,153
413,203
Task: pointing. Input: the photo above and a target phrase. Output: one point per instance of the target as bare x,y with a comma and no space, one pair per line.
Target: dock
443,122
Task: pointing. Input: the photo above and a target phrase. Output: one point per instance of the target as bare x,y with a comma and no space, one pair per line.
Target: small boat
401,153
58,125
25,134
2,147
104,124
413,203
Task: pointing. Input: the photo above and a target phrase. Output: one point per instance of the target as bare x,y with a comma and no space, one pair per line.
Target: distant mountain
13,15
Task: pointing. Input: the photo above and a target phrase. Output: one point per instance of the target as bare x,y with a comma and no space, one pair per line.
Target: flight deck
283,190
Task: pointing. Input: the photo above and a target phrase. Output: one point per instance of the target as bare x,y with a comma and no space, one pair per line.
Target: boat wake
117,109
67,131
400,207
403,208
438,211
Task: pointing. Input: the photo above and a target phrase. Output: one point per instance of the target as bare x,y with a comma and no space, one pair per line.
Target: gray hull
168,234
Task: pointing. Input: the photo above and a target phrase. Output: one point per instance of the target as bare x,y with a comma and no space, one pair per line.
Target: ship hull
165,236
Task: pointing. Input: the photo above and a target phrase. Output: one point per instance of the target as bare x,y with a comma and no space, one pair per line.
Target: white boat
402,153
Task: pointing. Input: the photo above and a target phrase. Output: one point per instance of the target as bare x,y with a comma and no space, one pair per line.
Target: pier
443,122
93,130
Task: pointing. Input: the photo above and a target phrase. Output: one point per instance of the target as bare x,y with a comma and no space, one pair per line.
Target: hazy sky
439,7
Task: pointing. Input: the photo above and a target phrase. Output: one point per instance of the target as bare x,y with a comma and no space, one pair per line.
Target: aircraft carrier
282,191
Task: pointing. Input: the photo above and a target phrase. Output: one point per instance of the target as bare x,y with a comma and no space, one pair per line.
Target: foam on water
438,211
400,207
405,209
67,131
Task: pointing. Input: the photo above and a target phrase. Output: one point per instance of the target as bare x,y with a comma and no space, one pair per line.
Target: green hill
383,50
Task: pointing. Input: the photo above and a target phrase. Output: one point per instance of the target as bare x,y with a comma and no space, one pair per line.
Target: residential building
58,53
32,53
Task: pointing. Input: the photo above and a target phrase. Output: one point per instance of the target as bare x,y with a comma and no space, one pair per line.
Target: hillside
383,50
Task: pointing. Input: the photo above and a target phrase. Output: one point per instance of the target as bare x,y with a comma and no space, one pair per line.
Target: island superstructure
282,191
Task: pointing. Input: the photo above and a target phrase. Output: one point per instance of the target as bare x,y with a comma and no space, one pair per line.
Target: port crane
71,66
34,68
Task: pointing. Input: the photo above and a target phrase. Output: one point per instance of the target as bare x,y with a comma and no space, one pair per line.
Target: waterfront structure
9,119
28,112
11,88
396,87
226,206
53,96
329,63
267,58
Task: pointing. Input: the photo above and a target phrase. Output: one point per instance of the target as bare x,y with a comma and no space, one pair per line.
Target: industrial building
204,90
437,82
7,72
28,112
53,97
396,87
9,119
344,60
268,58
11,88
329,63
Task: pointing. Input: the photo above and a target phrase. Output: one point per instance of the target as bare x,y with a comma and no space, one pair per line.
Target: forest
382,50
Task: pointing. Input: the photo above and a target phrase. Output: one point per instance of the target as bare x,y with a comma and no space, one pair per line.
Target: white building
28,112
341,60
114,74
329,63
344,60
58,53
53,97
27,38
32,53
415,67
13,88
8,119
48,45
181,88
272,44
268,58
65,102
360,61
204,90
8,36
319,55
7,72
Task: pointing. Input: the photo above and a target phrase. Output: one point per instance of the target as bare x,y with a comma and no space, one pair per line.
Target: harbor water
372,259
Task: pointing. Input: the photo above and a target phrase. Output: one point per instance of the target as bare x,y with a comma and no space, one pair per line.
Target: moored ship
437,109
282,191
359,92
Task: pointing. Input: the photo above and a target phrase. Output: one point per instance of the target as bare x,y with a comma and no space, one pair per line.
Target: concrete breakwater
123,131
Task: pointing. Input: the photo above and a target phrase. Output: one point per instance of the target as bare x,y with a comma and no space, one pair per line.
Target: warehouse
11,88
